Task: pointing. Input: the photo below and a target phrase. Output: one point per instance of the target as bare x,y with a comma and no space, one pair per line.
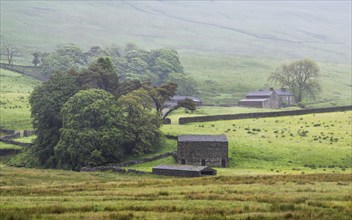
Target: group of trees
89,117
157,66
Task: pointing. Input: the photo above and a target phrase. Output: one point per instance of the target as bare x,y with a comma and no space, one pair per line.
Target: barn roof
202,138
183,168
253,100
283,92
180,98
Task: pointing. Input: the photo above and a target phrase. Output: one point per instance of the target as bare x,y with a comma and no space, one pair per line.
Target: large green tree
63,59
186,86
156,66
36,59
92,131
46,102
99,75
142,130
161,96
163,62
301,77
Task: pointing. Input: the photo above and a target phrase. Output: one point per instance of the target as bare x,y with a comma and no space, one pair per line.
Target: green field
309,143
9,146
14,106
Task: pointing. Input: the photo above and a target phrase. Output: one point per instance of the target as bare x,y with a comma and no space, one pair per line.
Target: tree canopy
301,77
46,102
99,75
92,131
63,59
89,118
157,66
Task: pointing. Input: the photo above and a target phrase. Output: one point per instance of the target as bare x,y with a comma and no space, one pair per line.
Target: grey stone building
286,97
203,150
183,170
261,99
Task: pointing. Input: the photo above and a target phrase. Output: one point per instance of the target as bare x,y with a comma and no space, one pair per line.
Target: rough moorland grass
54,194
14,107
319,142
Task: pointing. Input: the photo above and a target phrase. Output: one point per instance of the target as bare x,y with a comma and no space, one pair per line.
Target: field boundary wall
262,114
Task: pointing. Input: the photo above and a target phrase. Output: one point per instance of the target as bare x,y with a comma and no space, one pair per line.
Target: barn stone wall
213,154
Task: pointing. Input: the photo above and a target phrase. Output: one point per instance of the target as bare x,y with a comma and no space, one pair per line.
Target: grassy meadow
14,106
55,194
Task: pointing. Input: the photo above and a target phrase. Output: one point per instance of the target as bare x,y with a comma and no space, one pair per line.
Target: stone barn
183,170
203,150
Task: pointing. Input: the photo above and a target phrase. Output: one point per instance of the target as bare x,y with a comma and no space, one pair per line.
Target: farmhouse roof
180,98
283,92
183,167
202,138
260,93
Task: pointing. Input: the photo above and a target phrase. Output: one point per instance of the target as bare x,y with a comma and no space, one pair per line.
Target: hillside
320,30
226,79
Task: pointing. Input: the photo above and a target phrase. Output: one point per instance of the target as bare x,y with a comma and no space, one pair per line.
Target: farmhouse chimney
271,89
283,89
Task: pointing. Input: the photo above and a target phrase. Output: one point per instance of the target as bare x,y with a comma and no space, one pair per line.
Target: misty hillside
319,30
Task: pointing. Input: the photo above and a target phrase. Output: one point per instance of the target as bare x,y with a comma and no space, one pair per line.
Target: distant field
14,107
225,79
55,194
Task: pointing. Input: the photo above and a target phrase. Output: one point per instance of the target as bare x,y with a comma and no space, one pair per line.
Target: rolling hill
228,47
320,30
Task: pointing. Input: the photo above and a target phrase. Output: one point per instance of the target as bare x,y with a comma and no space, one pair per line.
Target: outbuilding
202,150
183,170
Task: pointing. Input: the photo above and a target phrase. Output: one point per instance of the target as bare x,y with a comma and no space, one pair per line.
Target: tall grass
51,194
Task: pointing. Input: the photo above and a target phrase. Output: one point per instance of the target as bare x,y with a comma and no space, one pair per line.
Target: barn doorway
223,163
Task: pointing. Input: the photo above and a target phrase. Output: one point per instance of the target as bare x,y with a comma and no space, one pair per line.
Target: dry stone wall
262,114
